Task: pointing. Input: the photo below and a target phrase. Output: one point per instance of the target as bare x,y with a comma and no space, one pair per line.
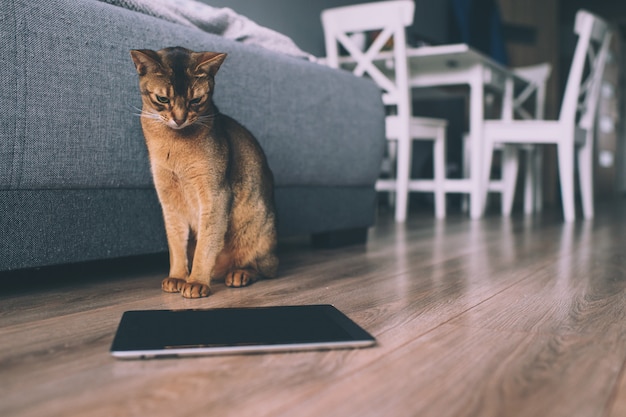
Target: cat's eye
195,100
162,100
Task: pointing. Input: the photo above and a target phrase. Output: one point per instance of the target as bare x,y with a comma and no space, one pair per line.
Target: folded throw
219,21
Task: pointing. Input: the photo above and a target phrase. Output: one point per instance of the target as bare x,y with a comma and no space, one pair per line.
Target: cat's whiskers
151,115
206,120
137,110
201,123
207,117
147,114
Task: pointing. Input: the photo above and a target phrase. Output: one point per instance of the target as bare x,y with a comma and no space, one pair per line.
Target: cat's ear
145,60
209,63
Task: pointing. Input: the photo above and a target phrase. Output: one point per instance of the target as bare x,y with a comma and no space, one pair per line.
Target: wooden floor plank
583,291
454,371
616,407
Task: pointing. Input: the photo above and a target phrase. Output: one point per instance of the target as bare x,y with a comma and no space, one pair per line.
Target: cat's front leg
176,229
199,282
210,242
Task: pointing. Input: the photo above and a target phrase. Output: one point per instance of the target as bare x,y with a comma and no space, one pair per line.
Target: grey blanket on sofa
219,21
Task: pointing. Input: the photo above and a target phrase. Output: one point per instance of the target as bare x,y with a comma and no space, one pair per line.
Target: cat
211,176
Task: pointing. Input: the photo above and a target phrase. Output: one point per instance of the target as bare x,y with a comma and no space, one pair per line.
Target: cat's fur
210,173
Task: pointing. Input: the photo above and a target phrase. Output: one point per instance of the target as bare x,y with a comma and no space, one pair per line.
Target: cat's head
177,84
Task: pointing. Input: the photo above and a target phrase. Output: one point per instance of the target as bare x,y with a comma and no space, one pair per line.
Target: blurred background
530,32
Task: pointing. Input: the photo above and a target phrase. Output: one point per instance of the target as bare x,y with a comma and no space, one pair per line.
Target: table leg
476,116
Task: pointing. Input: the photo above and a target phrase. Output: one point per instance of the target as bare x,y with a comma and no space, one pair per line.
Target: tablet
170,333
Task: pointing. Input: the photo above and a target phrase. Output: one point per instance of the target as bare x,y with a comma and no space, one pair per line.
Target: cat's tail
268,265
240,272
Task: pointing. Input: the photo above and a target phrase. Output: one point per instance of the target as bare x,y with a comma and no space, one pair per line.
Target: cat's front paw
240,278
172,284
195,290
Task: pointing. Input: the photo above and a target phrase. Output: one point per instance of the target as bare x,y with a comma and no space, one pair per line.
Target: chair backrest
585,76
537,76
390,18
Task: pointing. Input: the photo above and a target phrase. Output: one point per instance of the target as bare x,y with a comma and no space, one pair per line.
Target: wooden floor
497,317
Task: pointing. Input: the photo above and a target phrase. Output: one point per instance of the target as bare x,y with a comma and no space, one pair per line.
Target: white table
458,64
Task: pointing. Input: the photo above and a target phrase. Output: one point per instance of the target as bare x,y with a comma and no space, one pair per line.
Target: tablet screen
154,333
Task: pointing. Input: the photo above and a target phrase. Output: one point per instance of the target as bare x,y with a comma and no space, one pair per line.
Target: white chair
345,26
533,181
573,131
536,77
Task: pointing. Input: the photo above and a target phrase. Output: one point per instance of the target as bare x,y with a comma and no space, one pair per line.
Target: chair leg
486,169
439,167
533,181
403,174
538,177
510,169
566,176
585,173
392,148
529,181
466,171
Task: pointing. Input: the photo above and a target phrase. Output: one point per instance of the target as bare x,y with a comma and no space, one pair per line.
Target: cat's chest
185,187
178,156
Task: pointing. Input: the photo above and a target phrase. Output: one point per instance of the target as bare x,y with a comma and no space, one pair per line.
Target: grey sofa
75,183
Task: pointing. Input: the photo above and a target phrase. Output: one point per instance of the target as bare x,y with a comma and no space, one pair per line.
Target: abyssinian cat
210,173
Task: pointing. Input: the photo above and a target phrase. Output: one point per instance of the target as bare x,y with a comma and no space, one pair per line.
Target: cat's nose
179,122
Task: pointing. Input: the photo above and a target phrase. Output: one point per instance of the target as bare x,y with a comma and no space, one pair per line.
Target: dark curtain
478,24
